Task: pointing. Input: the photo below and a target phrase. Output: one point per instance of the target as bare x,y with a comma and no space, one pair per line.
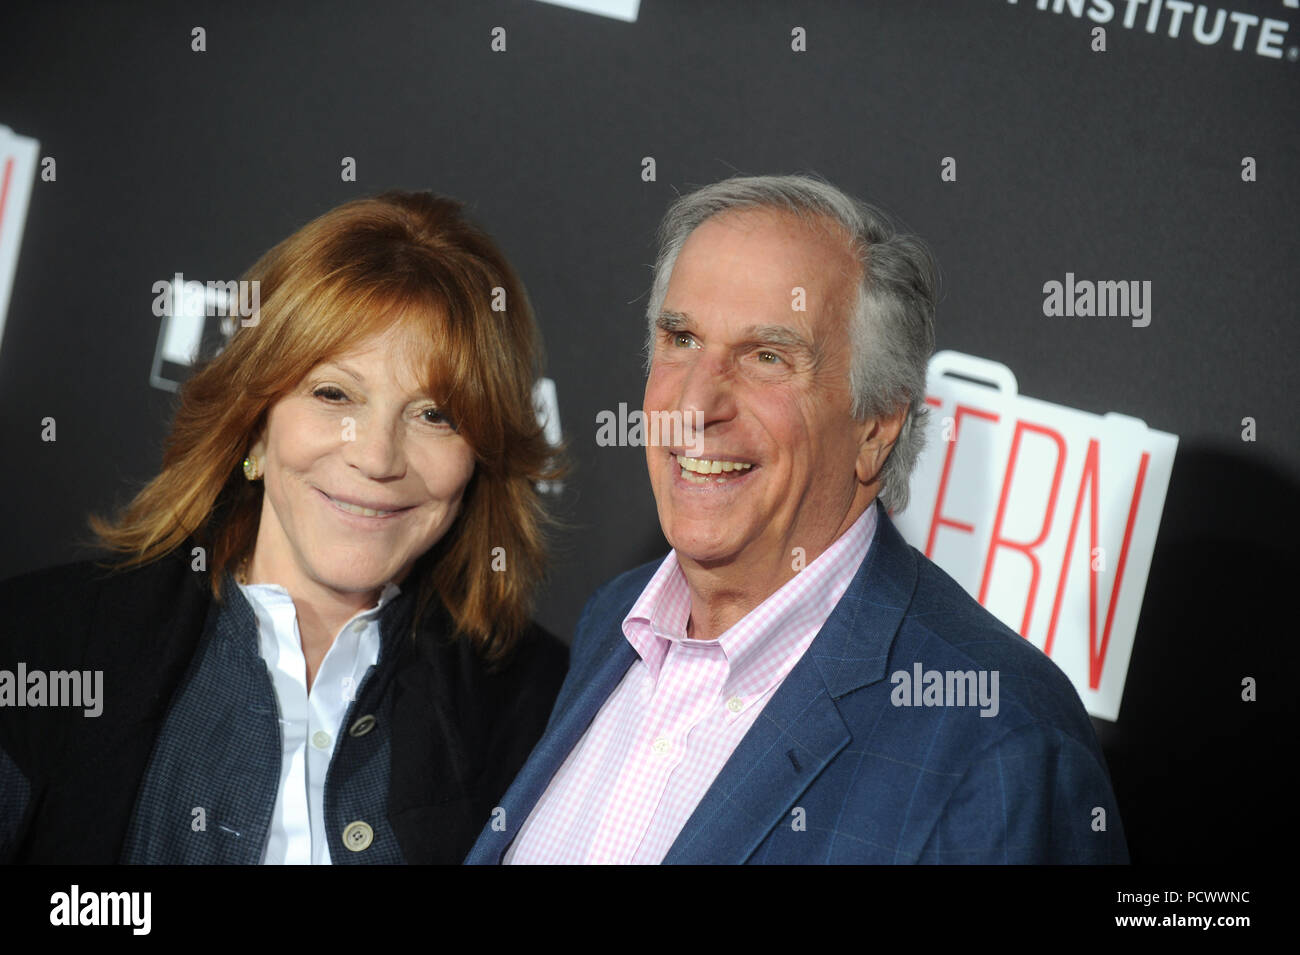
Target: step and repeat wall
1110,188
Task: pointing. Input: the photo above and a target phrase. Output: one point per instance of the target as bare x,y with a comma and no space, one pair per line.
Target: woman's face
362,473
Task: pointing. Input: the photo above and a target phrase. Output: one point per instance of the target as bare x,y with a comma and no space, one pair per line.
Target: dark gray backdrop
1124,164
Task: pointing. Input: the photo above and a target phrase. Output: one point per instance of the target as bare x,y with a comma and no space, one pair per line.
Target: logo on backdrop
615,9
1046,515
18,157
1204,24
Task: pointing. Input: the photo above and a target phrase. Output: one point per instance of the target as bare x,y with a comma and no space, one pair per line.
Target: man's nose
708,390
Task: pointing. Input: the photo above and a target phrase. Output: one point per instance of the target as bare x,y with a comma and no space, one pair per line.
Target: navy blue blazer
837,770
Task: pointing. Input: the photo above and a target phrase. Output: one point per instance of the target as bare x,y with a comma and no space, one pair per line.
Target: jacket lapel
584,693
796,735
800,729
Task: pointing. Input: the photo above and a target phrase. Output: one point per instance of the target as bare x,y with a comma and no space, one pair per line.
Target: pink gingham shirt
631,783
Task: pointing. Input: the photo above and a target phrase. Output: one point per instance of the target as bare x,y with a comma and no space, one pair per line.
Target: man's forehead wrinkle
830,280
837,274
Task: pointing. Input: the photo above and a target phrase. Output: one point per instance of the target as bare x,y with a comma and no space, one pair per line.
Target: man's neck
722,595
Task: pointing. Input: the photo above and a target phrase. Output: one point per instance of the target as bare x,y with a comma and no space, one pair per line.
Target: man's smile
710,471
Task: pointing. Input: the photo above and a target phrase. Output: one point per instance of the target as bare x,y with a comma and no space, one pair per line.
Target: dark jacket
69,783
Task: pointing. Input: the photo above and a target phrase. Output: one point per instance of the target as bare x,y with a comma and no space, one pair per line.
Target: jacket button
357,836
362,726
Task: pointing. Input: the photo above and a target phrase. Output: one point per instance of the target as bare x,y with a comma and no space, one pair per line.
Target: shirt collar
276,595
774,628
274,599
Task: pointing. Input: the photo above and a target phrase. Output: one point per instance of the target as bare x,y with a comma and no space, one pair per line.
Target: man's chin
711,555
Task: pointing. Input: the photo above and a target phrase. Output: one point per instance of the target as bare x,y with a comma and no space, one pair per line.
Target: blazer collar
852,649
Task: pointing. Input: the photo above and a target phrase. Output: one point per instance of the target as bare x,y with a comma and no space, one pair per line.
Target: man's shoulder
947,630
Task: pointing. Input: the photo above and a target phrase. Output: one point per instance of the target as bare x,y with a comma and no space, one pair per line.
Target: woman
316,645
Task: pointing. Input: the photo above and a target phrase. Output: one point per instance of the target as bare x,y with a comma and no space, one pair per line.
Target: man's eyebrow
778,336
669,321
781,335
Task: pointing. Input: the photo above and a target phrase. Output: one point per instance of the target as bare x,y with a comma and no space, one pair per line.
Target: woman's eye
435,417
329,393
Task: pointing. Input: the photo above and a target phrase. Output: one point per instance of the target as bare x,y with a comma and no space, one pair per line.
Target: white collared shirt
309,722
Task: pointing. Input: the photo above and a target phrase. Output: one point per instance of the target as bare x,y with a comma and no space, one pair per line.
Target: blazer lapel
800,730
584,692
796,735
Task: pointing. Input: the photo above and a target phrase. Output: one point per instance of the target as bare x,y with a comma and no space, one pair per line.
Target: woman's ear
255,458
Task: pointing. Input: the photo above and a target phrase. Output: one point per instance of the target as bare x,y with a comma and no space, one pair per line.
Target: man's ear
876,440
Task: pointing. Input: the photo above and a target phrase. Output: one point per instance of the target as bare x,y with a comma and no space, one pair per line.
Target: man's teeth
356,509
696,469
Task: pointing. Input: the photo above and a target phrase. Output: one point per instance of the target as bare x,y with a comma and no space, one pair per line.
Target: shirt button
358,626
362,726
734,704
357,836
320,739
661,746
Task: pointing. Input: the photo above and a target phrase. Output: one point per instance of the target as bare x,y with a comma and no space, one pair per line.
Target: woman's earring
252,468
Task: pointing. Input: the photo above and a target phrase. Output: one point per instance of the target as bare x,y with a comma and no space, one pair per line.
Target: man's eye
769,357
682,340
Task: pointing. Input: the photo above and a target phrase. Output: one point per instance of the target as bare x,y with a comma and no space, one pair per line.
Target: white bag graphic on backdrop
18,156
1047,515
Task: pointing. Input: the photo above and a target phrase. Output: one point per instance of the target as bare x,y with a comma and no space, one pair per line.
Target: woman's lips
362,510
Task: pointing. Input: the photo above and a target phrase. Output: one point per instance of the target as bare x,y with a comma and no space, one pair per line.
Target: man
750,698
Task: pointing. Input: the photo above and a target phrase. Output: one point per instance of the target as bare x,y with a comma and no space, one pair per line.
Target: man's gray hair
891,325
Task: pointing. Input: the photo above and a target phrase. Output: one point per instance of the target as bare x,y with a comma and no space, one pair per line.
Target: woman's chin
353,580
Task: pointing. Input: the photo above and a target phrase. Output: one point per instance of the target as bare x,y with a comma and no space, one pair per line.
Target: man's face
769,383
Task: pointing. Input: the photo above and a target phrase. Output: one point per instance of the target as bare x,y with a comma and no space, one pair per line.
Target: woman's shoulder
64,603
535,664
50,581
541,652
59,599
80,579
